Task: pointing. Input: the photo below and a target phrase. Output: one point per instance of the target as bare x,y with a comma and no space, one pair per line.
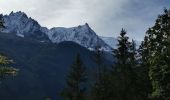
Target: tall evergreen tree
76,81
133,54
124,78
137,75
100,90
158,48
143,69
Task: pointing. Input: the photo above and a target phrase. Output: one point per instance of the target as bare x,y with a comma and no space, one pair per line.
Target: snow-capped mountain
23,26
19,24
82,35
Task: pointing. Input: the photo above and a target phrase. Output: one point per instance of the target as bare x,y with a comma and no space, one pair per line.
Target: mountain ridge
26,27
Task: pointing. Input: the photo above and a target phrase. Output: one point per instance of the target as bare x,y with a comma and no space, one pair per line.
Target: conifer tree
120,75
143,70
133,54
124,78
137,75
100,90
98,59
158,48
76,81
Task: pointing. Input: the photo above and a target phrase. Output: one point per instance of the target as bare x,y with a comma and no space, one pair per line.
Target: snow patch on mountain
19,23
20,35
23,26
82,35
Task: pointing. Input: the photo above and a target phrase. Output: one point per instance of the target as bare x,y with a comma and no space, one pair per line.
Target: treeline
137,74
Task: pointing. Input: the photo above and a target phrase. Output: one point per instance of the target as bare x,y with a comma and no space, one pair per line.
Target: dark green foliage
124,78
76,80
133,54
98,59
122,52
101,88
158,55
143,70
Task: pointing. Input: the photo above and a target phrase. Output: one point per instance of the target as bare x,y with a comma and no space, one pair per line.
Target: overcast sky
106,17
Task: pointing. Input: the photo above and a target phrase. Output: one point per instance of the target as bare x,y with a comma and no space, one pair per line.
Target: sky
105,17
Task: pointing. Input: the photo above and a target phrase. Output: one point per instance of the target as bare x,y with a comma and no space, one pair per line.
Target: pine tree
158,48
100,90
125,85
143,70
76,81
133,54
137,75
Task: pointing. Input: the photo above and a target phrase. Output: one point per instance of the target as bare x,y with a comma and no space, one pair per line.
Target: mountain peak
19,24
82,35
86,24
18,14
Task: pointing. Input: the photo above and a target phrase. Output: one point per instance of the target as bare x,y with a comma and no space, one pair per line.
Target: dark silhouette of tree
100,90
76,81
124,78
143,70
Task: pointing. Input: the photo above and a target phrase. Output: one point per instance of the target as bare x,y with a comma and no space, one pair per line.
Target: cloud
105,17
